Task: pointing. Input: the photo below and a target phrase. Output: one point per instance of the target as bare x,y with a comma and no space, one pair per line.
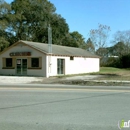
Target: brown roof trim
72,55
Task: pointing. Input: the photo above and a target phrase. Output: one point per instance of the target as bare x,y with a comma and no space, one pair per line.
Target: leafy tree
125,61
3,43
76,39
122,37
60,29
4,9
102,52
69,41
29,20
90,46
118,49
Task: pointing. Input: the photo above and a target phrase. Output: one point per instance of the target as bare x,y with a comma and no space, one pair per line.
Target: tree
90,46
59,29
76,39
4,9
3,43
99,36
122,39
122,36
3,40
125,61
29,20
102,52
120,49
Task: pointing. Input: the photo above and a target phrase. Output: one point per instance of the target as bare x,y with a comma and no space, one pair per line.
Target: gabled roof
59,50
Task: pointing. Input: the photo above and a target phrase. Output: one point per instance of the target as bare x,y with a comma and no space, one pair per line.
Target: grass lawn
110,73
105,73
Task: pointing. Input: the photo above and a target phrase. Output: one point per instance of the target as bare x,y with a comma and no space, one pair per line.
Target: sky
84,15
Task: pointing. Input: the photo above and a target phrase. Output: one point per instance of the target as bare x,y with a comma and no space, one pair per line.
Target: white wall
23,48
76,66
82,65
52,71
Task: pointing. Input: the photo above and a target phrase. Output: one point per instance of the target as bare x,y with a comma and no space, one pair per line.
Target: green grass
108,73
109,69
103,71
112,71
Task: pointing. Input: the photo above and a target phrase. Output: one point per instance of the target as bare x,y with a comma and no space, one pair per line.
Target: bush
110,62
125,61
118,62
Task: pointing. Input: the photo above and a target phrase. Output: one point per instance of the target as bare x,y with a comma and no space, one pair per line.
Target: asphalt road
63,109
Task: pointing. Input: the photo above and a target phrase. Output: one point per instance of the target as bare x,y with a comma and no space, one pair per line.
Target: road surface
63,108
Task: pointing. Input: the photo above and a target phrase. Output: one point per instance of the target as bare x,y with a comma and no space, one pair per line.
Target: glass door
21,66
60,66
24,66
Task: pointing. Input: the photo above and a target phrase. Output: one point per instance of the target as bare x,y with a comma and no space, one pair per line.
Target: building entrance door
21,66
60,66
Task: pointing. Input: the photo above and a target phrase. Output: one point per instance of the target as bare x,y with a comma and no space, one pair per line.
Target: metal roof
60,50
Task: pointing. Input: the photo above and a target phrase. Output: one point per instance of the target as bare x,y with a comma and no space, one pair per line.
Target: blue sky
84,15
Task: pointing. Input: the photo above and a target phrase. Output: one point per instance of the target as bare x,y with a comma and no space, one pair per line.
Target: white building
33,59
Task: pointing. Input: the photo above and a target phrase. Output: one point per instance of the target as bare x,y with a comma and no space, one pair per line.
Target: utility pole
49,39
49,49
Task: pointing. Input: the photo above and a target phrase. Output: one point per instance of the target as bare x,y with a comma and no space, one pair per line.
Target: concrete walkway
19,79
27,79
42,80
84,77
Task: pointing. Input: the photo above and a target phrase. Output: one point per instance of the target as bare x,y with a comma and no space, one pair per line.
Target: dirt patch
92,83
114,77
84,83
89,80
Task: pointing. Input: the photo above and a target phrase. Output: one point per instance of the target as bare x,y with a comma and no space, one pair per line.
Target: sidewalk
19,79
93,80
73,80
27,79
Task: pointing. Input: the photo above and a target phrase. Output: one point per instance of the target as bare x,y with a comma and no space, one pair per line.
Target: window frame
71,57
8,66
37,62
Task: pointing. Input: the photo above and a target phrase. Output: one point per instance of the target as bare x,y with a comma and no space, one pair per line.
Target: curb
109,81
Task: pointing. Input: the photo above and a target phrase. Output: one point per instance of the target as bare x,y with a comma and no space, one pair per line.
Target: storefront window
8,62
35,62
